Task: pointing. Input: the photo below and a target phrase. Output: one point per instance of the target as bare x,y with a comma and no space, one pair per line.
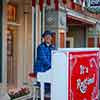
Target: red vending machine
74,74
83,75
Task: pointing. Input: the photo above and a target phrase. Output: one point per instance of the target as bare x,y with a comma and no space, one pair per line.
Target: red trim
64,1
56,2
82,1
41,4
72,4
32,75
79,19
33,3
48,2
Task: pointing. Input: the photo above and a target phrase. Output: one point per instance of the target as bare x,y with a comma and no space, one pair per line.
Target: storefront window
91,41
9,56
11,12
11,43
93,36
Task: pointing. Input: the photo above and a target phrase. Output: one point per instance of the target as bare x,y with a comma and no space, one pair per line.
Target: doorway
69,42
11,57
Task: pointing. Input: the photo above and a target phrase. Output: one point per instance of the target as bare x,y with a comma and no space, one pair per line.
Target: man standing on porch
43,61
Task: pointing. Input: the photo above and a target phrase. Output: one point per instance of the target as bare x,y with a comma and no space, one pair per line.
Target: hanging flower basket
18,94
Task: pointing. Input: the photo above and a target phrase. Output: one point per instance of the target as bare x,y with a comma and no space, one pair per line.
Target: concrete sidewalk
4,97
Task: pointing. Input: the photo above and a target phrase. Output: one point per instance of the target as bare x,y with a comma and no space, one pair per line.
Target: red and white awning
48,2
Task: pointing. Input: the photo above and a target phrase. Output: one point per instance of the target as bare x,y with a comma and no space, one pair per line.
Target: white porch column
3,85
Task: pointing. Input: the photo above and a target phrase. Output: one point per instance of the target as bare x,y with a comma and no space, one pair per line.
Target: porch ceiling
73,21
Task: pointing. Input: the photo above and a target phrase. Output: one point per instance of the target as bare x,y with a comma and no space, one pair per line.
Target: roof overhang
81,17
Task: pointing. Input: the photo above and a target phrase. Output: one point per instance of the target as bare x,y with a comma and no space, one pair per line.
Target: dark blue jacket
43,61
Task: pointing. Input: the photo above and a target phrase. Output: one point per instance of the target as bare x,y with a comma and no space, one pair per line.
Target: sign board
93,6
81,75
94,2
74,74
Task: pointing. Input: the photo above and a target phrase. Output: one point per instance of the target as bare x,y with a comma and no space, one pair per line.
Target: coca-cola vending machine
75,74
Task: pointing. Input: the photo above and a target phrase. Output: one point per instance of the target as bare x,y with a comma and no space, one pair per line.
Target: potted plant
18,93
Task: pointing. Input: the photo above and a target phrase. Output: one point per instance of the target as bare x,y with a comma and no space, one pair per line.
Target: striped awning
48,2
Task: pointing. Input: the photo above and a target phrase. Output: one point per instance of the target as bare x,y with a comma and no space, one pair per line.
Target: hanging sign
95,3
93,6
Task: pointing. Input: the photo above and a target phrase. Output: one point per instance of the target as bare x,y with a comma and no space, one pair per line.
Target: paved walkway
4,97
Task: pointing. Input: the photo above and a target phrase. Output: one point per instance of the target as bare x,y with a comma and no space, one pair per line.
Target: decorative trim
81,16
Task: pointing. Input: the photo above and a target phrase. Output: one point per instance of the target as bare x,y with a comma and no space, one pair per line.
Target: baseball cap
47,33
